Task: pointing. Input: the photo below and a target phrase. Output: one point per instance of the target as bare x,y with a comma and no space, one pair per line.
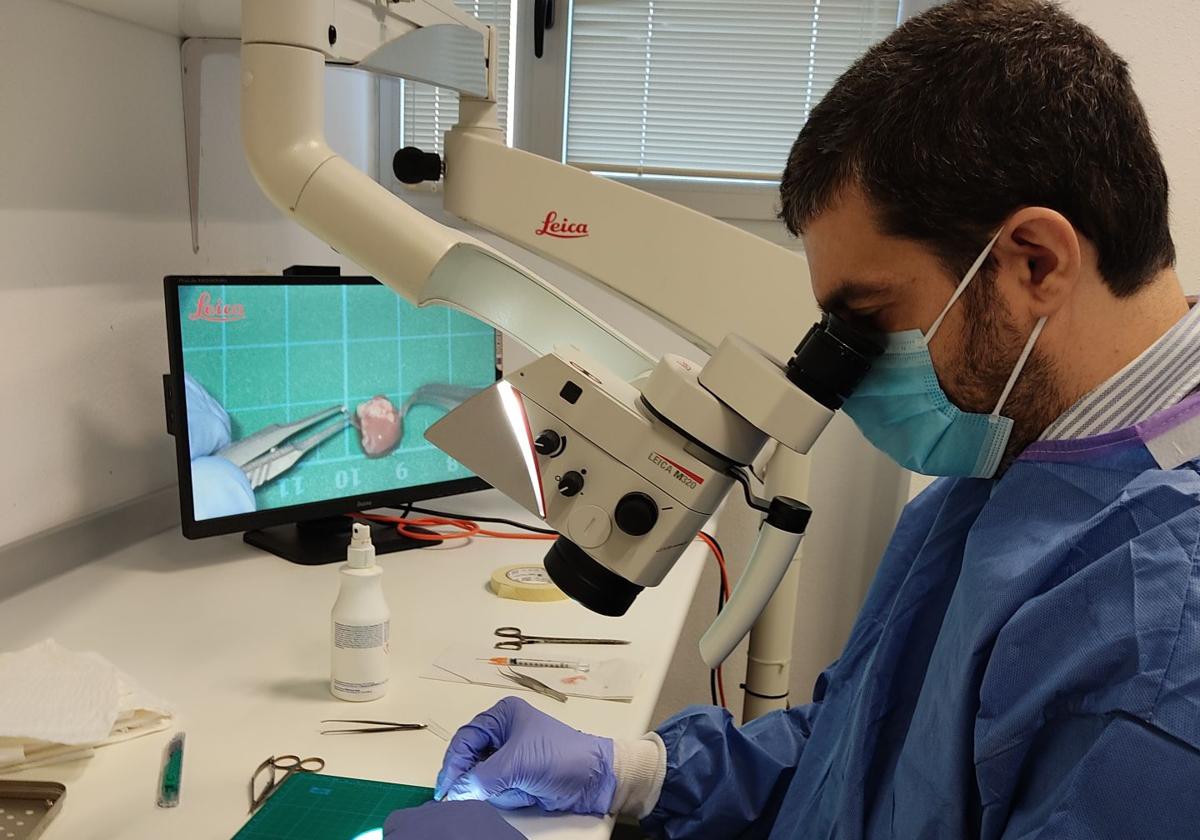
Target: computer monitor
295,400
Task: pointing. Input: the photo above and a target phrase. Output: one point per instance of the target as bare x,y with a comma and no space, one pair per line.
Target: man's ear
1040,250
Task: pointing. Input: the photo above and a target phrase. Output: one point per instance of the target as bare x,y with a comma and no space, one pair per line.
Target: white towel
58,705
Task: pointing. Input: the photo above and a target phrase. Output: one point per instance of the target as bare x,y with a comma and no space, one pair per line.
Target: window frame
753,205
537,119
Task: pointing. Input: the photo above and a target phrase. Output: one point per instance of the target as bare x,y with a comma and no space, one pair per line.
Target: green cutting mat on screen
311,806
301,349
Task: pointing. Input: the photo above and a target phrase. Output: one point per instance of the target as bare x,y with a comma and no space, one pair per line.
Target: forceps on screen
264,455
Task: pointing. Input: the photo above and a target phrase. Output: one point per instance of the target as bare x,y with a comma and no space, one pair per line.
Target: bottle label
347,687
360,636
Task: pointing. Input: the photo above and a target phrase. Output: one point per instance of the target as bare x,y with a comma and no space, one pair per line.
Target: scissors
514,639
263,456
289,764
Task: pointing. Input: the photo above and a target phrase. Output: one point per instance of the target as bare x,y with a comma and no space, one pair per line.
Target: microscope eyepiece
831,360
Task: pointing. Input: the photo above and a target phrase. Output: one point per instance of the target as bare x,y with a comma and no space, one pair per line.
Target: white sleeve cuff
640,767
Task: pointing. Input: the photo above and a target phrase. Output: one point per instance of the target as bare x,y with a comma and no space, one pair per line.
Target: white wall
93,214
1158,39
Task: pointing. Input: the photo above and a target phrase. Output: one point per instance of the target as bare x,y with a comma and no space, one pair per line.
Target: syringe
515,662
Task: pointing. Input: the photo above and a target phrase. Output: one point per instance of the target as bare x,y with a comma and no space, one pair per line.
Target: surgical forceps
532,684
370,727
264,456
289,764
514,639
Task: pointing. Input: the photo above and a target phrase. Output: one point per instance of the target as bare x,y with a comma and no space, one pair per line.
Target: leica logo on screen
561,229
216,311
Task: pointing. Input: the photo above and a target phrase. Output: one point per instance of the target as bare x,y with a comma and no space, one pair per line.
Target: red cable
712,546
466,528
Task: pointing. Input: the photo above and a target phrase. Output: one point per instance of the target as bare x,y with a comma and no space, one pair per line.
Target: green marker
171,775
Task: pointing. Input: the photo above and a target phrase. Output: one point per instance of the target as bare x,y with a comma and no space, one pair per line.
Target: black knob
636,514
412,166
549,442
570,484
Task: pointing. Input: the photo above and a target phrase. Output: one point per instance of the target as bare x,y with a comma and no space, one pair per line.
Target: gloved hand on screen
514,756
449,821
208,423
220,488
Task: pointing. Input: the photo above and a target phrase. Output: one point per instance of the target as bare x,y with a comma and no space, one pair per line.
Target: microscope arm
687,270
284,51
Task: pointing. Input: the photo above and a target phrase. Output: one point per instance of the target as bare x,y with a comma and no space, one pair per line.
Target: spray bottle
361,624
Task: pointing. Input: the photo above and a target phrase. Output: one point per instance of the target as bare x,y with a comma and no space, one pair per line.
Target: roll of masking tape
525,582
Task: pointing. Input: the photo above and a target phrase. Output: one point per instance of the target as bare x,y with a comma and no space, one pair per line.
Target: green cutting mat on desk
313,806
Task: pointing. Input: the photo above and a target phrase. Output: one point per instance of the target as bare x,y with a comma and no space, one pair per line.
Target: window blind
706,88
427,112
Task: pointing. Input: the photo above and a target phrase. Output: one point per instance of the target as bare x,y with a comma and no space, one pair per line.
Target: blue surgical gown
1026,665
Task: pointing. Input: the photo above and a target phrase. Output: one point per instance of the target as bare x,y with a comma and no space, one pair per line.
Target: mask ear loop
1020,366
962,286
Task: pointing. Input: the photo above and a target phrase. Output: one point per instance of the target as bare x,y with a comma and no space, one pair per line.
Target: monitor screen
298,393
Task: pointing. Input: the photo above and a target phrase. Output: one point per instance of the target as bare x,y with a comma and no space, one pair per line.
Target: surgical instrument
514,639
289,764
264,456
170,776
532,684
371,726
515,662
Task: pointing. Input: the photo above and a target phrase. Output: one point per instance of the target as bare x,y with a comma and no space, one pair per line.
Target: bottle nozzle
360,534
361,553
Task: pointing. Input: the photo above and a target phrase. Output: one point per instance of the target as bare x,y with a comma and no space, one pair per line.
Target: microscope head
628,473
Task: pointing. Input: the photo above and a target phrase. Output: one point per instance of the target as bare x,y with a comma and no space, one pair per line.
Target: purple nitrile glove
514,756
449,821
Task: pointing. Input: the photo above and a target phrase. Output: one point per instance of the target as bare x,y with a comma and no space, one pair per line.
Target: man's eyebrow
852,292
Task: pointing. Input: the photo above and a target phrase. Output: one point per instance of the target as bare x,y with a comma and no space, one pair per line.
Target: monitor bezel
177,409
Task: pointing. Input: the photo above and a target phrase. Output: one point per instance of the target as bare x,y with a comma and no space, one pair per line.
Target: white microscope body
627,458
629,473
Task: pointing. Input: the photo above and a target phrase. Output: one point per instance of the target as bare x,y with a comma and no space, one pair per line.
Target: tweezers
264,456
532,684
371,727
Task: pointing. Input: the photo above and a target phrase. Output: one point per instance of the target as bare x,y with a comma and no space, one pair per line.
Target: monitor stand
316,542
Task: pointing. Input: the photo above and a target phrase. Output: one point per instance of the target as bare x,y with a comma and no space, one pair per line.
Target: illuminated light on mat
370,834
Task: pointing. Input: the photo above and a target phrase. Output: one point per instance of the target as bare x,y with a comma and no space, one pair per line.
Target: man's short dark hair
975,109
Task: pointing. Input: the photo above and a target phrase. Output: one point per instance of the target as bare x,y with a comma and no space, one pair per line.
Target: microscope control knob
570,484
636,514
549,443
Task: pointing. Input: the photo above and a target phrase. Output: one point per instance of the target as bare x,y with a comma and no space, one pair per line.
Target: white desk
238,641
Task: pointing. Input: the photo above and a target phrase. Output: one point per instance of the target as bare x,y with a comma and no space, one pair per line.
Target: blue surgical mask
901,408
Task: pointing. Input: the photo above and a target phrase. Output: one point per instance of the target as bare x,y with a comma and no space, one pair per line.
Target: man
983,191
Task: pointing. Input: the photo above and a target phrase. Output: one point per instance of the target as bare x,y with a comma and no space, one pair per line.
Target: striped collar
1160,377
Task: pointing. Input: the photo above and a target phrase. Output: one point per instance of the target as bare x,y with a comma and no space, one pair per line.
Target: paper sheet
57,705
606,679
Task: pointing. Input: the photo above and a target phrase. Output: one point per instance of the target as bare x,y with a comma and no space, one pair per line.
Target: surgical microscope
626,456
